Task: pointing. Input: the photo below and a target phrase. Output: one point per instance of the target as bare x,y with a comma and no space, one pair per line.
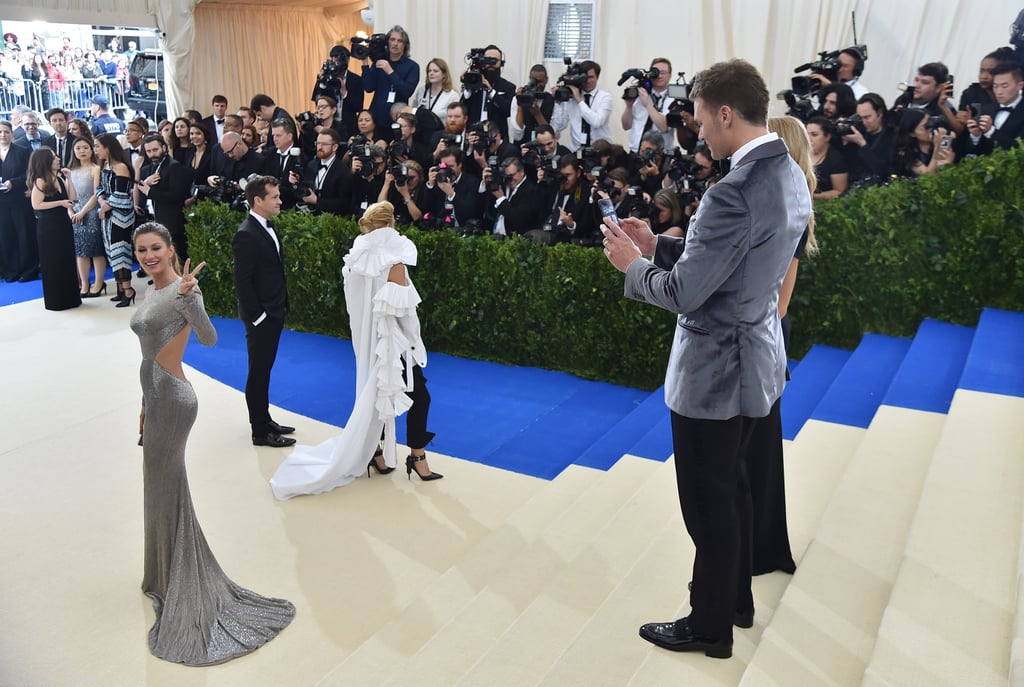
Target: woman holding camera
406,192
390,355
437,91
829,166
919,148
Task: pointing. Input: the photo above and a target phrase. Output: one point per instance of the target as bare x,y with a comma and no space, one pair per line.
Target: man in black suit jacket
285,157
215,122
1001,123
237,161
167,184
262,304
346,90
61,142
19,251
518,205
459,197
493,100
328,178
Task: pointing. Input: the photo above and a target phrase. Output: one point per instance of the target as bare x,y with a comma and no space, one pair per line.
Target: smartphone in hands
608,210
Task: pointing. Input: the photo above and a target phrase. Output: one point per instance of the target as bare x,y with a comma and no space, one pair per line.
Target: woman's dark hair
40,168
846,101
75,164
905,146
203,130
115,153
826,125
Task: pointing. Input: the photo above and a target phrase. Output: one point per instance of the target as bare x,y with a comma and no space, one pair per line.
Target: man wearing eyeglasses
647,111
238,161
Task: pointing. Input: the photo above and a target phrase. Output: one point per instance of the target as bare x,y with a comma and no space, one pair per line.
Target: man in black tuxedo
238,160
19,250
215,122
33,139
453,194
262,303
518,205
1002,123
328,177
267,110
167,184
570,217
61,142
491,99
284,158
346,90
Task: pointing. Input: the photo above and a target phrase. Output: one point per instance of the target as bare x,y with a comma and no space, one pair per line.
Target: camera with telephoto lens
375,47
528,94
681,165
307,120
452,140
329,79
223,192
533,155
497,179
846,125
590,159
486,134
398,151
445,174
680,94
574,75
643,77
478,63
401,174
642,158
607,184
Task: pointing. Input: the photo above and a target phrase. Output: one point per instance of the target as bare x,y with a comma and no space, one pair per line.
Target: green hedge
942,246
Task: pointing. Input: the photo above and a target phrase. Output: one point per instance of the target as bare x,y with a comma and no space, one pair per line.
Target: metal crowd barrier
72,95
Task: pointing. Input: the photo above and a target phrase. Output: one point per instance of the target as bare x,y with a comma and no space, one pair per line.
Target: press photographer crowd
468,150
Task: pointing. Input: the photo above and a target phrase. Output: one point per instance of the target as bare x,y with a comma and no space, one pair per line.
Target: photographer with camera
407,135
932,92
236,162
326,182
829,164
345,88
1002,124
849,66
871,141
454,133
570,217
405,190
284,159
388,73
922,144
369,162
454,198
532,107
488,96
542,153
647,103
325,116
647,166
485,142
518,205
587,110
837,101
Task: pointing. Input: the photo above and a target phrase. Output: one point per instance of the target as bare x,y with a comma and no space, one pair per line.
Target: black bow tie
134,151
219,121
324,165
1005,108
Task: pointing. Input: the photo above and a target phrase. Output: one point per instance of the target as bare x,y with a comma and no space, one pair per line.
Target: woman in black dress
53,201
829,166
199,156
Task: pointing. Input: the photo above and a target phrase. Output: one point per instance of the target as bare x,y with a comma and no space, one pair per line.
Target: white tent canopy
242,47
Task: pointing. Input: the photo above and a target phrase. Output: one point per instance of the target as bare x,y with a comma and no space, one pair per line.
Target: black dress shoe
678,636
272,439
280,429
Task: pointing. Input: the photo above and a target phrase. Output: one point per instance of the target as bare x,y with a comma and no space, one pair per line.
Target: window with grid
570,30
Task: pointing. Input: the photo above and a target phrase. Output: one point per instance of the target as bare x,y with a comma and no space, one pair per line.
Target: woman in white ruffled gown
381,301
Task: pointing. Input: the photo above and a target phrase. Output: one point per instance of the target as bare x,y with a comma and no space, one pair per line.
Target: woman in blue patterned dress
117,212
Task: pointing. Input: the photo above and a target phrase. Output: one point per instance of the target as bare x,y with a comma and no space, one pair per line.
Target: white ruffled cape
386,339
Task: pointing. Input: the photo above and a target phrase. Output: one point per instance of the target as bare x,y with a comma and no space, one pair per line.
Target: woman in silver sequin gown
202,617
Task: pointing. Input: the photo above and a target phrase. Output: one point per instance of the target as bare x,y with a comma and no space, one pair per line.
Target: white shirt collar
745,149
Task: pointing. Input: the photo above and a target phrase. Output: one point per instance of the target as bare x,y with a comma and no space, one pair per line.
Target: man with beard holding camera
454,126
647,111
532,107
492,101
167,184
571,218
454,196
326,180
283,159
932,93
391,80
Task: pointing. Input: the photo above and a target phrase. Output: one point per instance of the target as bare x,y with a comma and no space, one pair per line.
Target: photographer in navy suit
727,366
1002,123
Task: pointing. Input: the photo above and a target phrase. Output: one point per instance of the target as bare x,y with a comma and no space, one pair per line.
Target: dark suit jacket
169,194
1005,136
259,273
499,104
335,194
15,170
352,103
272,167
69,144
468,204
210,124
523,211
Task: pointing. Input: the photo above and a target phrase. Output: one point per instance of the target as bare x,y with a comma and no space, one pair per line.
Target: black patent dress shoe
678,636
271,439
280,429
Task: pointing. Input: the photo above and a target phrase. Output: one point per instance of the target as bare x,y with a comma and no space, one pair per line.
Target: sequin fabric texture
202,617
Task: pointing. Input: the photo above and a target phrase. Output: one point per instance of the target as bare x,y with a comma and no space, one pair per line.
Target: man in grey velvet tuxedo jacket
727,365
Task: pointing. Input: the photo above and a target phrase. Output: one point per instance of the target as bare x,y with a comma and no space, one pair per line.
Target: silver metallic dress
202,617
